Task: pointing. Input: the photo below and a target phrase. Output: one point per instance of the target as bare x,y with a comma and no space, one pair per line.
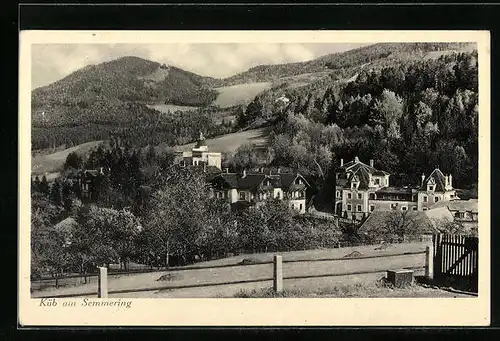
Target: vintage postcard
247,178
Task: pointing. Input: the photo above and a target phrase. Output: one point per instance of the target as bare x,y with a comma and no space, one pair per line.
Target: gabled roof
423,222
361,170
438,216
470,205
378,220
250,181
439,178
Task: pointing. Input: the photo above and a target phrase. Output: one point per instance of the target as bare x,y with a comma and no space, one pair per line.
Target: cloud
51,62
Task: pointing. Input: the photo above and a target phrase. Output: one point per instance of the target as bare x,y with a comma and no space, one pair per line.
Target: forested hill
351,58
127,79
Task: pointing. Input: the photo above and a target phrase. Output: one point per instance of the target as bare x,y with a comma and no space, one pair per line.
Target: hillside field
239,94
41,164
230,142
50,163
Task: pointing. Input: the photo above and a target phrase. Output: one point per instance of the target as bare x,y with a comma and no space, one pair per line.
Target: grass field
231,142
50,163
239,94
152,284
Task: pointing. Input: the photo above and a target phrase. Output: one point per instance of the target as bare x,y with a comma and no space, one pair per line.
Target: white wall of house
233,195
387,205
298,205
278,193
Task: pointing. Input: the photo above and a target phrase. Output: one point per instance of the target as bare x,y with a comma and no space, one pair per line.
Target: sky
51,62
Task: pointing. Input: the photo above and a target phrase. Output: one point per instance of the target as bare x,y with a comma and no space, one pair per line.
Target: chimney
356,159
423,179
226,169
204,167
371,163
449,180
100,171
279,170
244,173
341,162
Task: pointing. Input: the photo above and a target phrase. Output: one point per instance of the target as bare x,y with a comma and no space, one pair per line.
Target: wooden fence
456,259
277,278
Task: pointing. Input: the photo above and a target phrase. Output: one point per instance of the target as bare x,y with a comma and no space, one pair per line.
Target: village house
253,188
464,212
199,155
361,189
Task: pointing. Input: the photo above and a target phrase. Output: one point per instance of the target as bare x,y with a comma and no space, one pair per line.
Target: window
430,187
360,195
348,207
414,208
279,195
358,208
300,207
372,208
393,206
349,195
425,198
353,185
242,196
377,181
299,181
338,194
404,208
436,199
425,208
268,183
372,196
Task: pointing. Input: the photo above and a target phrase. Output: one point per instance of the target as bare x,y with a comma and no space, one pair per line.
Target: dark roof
470,205
253,180
439,178
250,181
341,182
380,172
416,220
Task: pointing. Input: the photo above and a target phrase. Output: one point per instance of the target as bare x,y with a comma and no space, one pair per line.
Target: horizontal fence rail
277,273
186,268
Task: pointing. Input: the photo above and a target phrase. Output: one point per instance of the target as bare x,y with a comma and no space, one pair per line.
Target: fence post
429,261
278,274
102,283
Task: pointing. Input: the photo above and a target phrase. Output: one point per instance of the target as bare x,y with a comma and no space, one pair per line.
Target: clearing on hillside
231,142
41,164
239,94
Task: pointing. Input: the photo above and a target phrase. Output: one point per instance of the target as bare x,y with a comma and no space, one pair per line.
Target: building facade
252,189
361,189
200,155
